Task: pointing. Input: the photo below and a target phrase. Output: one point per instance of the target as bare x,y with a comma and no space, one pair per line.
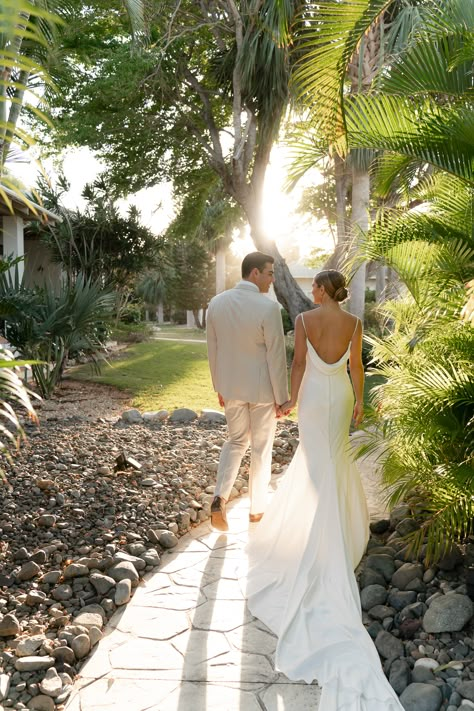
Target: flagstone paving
186,641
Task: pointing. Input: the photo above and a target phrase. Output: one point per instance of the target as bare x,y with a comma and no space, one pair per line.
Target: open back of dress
302,556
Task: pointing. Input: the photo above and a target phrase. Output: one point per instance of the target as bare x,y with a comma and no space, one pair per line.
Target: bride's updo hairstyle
334,283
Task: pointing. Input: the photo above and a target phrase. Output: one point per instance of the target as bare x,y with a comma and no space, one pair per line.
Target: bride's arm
298,365
356,368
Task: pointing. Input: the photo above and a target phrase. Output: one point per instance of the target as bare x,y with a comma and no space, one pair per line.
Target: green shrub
287,322
131,313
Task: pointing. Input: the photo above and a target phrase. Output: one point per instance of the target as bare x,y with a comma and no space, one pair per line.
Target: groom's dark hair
255,259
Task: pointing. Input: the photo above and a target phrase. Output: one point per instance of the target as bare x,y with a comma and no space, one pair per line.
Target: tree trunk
360,222
159,313
14,114
380,286
220,268
197,321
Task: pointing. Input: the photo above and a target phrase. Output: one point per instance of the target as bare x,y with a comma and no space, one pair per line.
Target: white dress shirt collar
245,284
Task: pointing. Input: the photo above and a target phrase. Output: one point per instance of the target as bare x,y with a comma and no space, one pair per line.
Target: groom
247,360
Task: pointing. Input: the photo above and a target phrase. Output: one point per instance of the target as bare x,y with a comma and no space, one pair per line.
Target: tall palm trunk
362,71
360,223
220,268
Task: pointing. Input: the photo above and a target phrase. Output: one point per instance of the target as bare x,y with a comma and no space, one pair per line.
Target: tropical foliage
420,115
49,327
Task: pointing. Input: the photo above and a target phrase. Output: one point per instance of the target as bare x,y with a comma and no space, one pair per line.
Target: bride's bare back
330,332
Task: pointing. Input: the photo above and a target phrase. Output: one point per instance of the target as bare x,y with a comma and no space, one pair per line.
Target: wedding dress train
302,556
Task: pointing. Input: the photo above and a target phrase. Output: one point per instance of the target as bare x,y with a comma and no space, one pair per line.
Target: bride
302,557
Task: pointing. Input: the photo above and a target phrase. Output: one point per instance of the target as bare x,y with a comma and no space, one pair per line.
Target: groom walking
247,360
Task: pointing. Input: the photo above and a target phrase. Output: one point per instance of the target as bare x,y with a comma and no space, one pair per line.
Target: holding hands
285,408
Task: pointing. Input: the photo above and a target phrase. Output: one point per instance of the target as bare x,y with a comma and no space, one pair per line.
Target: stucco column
13,243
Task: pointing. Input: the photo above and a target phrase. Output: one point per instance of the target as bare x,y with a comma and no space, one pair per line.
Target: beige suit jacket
246,346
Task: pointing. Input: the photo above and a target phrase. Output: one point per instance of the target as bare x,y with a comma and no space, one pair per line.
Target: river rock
183,414
123,592
421,697
384,564
76,570
27,664
81,645
399,676
41,703
28,571
213,416
122,571
9,626
389,646
466,689
4,686
51,684
449,613
29,645
102,583
373,595
132,416
167,539
406,574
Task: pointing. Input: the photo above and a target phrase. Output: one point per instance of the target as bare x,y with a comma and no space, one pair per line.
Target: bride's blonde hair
334,283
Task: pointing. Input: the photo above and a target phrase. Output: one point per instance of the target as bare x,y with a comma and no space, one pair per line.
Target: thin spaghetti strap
304,325
355,329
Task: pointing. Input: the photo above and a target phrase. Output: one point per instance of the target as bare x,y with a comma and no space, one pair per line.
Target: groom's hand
221,400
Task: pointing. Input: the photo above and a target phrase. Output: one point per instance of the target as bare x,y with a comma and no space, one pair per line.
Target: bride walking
302,557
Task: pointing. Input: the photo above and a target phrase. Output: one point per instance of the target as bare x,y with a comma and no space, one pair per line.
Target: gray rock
89,619
64,655
26,664
421,697
397,514
466,690
52,577
123,592
380,526
213,416
81,645
4,686
29,645
41,703
420,675
406,526
371,577
35,597
183,414
62,592
46,520
381,612
138,563
95,635
399,676
401,599
132,416
151,557
449,613
9,626
373,595
384,564
122,571
28,571
76,570
167,539
102,583
51,684
155,416
451,559
405,574
389,646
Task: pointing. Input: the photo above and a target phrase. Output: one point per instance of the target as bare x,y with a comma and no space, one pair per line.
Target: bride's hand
358,414
287,407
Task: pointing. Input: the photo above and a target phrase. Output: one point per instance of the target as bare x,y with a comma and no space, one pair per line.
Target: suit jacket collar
244,284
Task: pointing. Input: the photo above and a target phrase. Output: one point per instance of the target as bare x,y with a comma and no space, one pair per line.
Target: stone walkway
186,641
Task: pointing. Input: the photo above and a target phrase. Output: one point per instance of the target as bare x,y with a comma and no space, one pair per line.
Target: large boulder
421,697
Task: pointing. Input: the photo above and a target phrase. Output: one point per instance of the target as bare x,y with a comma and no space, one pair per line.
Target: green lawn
160,375
166,375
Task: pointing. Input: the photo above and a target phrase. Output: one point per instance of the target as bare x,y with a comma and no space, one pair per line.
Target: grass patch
160,375
179,332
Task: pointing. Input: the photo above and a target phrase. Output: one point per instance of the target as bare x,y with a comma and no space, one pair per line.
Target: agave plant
48,326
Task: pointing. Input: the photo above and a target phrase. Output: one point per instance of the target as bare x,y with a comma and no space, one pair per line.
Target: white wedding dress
302,556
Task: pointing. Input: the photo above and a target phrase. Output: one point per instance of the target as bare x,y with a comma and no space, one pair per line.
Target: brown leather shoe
255,518
218,515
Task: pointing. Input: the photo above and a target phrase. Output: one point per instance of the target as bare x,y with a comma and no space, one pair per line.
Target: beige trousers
253,424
